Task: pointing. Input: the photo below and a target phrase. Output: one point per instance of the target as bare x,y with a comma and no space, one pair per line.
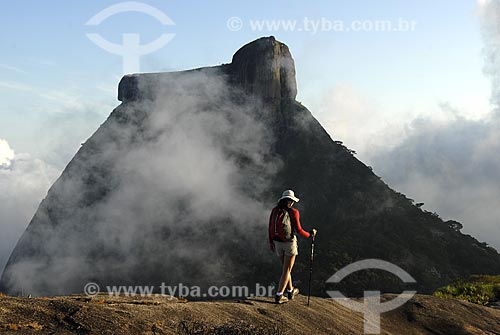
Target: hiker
283,223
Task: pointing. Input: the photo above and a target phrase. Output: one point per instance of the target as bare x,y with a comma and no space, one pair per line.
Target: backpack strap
276,222
291,224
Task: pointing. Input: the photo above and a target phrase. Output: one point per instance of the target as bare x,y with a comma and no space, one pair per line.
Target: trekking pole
310,270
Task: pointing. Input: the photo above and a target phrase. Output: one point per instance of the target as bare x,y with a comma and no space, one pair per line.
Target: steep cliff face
265,68
176,187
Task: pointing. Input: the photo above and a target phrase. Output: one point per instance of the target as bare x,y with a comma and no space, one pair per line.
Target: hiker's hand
313,232
272,247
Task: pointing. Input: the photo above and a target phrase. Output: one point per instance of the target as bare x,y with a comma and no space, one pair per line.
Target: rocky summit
103,314
177,184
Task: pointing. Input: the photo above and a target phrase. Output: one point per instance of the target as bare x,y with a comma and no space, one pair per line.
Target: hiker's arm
271,242
295,216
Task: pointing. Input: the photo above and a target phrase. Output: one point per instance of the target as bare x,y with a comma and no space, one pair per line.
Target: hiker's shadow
261,300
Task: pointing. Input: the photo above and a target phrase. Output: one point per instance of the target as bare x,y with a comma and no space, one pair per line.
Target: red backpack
280,225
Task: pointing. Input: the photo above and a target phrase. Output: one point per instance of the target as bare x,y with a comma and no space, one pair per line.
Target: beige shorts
287,248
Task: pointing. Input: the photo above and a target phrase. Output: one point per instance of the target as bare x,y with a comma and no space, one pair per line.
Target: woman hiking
283,223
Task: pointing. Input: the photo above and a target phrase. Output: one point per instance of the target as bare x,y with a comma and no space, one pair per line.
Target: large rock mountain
177,184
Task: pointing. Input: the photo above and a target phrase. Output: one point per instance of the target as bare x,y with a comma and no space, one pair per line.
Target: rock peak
265,67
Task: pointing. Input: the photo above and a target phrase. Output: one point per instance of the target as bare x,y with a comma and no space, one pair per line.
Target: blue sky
367,88
45,49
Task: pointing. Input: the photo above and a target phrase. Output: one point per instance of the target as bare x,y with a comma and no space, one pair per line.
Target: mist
158,192
453,165
31,163
24,182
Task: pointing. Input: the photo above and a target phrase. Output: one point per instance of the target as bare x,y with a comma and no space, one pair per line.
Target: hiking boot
292,294
280,299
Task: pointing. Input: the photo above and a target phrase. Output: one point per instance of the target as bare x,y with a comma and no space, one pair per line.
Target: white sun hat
290,195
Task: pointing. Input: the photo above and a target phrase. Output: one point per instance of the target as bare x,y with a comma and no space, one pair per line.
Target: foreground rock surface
167,315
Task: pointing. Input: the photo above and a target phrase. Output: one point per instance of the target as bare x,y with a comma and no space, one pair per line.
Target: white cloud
15,86
483,3
6,154
23,184
360,121
346,113
489,15
451,166
12,68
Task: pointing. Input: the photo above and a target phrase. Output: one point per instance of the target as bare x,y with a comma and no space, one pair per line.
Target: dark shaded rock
494,304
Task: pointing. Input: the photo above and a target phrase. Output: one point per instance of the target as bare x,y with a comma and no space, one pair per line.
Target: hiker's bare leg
289,284
286,277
